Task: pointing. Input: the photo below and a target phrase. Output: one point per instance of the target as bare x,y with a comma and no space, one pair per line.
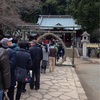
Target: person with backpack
23,61
52,56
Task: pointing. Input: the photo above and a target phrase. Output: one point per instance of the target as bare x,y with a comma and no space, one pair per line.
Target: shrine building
61,25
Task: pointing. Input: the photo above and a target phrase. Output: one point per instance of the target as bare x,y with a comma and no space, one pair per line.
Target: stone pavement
62,84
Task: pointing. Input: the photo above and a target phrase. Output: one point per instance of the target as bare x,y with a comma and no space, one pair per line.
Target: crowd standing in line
28,55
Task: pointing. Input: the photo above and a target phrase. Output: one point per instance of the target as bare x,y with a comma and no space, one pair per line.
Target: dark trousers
35,81
19,89
97,55
44,66
11,93
43,69
24,85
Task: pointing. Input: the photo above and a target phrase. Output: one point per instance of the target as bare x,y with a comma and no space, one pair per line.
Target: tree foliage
95,36
17,12
54,7
30,12
86,13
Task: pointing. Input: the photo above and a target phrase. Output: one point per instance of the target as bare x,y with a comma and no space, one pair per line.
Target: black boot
41,69
45,69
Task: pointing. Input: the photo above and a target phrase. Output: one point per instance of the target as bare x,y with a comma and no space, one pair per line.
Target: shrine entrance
60,40
26,31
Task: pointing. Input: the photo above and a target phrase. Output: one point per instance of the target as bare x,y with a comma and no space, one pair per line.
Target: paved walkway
62,84
89,75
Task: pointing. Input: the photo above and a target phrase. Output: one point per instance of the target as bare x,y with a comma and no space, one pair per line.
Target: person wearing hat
7,44
4,72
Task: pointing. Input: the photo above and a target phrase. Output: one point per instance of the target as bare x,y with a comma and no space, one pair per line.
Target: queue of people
30,56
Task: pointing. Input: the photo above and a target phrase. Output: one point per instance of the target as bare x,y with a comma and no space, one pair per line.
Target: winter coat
5,77
52,51
15,47
45,54
12,59
23,59
36,53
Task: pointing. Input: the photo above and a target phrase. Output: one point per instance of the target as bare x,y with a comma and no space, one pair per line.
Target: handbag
22,75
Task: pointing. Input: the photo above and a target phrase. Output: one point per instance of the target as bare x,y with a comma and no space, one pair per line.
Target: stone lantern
85,41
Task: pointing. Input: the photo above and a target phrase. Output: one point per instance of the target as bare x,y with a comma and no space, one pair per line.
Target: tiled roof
51,21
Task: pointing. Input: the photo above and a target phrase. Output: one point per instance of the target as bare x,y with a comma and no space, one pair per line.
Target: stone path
62,84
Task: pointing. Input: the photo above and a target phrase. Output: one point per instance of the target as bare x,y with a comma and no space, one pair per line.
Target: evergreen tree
86,13
54,7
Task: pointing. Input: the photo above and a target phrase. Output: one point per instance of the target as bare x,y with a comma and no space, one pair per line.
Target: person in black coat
60,51
26,47
36,55
23,60
89,51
